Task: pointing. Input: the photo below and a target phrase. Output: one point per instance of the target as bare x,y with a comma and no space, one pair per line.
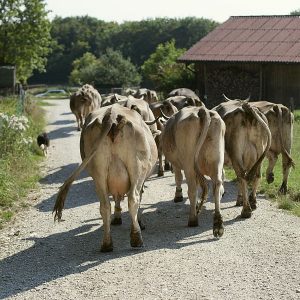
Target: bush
14,139
109,70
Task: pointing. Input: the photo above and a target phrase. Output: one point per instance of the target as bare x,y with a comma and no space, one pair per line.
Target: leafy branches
24,35
136,40
164,72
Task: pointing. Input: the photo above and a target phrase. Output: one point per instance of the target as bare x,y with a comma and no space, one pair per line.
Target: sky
136,10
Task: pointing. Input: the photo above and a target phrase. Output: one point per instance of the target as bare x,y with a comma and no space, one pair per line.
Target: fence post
21,101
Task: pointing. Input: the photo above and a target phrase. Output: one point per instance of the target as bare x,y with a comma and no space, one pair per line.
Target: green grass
291,201
19,171
44,103
8,105
6,216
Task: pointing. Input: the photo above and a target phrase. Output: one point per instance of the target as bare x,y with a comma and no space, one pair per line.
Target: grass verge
19,163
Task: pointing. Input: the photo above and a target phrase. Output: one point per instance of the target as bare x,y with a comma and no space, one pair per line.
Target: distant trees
164,72
75,36
110,70
295,12
24,35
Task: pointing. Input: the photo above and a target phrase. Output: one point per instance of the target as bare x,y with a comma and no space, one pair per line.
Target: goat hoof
218,232
246,213
136,240
283,189
107,247
218,228
178,199
160,173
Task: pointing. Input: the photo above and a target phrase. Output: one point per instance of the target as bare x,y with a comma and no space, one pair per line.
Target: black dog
43,142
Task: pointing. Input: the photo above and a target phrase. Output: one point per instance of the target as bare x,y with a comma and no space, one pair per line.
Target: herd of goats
123,137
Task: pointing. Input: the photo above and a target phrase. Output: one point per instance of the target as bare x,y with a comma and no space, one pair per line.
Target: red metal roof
250,38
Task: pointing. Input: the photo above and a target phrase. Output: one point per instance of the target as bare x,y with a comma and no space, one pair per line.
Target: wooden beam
260,82
205,80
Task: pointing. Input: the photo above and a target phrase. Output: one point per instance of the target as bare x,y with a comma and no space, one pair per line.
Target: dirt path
258,258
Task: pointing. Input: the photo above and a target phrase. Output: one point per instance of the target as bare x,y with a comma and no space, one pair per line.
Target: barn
249,55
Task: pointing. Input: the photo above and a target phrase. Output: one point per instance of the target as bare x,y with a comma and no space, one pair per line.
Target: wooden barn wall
282,84
279,82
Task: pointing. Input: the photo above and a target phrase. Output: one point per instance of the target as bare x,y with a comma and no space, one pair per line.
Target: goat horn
151,122
226,98
163,115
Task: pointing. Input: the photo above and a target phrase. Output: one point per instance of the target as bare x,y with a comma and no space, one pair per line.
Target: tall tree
24,35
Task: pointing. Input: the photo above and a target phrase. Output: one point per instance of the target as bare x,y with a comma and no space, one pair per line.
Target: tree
84,69
164,72
24,35
139,39
295,12
110,70
115,70
74,36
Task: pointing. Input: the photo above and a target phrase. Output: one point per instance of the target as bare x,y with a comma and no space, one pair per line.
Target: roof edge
267,16
237,61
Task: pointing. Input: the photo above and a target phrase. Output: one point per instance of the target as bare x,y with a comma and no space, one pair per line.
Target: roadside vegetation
290,201
19,153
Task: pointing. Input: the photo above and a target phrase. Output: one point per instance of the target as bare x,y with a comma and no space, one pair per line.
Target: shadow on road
63,132
81,193
77,250
59,175
63,122
67,128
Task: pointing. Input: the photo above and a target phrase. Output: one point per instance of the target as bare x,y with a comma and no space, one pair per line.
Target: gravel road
257,258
